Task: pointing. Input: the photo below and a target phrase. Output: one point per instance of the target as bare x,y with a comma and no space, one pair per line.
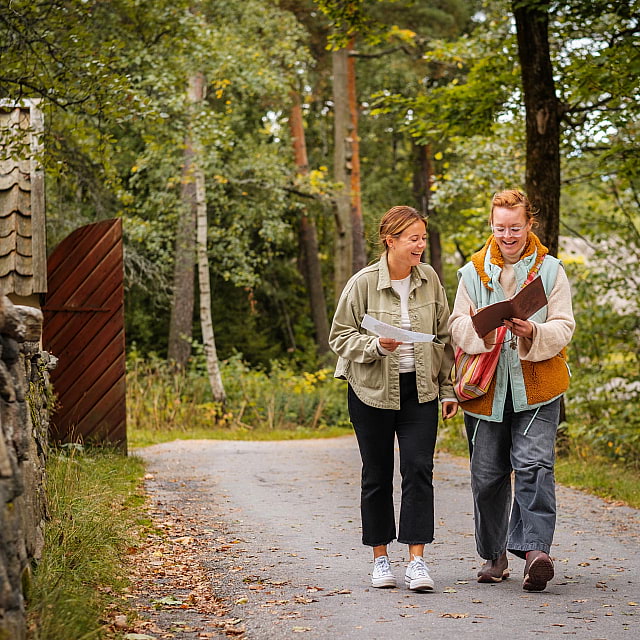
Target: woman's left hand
449,409
519,328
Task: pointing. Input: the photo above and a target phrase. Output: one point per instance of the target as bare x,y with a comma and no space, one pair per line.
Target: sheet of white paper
385,330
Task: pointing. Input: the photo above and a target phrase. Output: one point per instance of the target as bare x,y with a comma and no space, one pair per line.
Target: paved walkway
289,511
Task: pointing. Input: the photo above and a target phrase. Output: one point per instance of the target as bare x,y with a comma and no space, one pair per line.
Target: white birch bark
196,96
206,322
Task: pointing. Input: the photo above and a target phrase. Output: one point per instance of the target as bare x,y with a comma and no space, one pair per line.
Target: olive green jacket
374,377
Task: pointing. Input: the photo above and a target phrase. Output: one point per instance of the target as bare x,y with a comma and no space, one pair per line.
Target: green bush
604,394
161,397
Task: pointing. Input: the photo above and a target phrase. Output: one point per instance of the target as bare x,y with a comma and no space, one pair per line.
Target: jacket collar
489,262
384,277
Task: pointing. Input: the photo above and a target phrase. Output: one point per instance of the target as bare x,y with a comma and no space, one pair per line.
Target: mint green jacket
375,378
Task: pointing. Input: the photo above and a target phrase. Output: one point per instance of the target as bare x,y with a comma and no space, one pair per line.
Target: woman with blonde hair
394,389
513,427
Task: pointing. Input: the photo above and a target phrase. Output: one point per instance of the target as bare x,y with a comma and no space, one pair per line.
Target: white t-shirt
405,350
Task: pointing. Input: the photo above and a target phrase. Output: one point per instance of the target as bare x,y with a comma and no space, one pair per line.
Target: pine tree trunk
357,223
343,245
422,177
310,260
542,179
182,301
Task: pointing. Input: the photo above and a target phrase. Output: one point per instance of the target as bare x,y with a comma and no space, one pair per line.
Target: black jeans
416,426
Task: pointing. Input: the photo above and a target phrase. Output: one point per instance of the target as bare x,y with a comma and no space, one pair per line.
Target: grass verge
94,502
600,476
583,470
145,437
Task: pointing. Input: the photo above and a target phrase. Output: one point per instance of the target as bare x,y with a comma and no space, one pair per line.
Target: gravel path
279,531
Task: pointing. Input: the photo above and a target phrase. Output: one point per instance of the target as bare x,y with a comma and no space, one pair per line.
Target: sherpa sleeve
551,336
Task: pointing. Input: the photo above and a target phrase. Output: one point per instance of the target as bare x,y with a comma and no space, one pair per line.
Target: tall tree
353,145
422,180
543,113
311,268
182,299
343,246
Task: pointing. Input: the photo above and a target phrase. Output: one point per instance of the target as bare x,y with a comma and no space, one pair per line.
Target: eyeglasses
499,232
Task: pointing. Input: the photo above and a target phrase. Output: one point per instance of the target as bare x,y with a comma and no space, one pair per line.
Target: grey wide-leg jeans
524,442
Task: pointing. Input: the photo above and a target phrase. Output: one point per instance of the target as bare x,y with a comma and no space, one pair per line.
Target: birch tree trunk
542,179
310,262
206,321
353,143
343,245
195,95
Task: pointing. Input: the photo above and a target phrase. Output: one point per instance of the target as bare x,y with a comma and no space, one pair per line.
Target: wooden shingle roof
23,260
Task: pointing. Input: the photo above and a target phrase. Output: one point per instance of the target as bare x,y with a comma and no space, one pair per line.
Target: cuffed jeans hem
491,556
522,550
412,542
377,544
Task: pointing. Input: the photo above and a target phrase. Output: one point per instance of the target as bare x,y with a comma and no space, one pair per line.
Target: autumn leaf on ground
168,601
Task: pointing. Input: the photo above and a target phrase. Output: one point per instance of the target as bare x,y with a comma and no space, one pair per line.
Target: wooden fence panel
84,329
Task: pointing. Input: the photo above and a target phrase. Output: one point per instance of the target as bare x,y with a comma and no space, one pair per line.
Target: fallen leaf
454,615
300,629
167,601
231,630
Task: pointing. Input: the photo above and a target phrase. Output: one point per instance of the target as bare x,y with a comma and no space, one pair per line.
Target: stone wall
24,424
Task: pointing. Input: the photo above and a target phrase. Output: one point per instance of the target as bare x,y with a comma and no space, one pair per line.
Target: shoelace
420,568
382,564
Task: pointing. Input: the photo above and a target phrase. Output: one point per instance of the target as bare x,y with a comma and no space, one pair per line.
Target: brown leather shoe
494,570
538,570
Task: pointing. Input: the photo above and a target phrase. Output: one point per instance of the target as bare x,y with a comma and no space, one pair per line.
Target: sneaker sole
421,584
383,583
540,572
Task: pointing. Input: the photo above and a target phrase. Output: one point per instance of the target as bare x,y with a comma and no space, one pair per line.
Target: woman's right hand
389,344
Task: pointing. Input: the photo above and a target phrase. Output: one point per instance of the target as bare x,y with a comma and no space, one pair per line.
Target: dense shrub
162,397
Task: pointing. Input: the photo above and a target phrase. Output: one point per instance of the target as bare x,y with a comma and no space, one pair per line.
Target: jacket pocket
370,375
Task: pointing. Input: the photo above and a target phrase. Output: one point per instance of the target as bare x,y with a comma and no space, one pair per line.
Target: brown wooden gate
84,329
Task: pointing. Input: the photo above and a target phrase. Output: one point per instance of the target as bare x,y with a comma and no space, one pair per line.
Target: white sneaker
417,577
381,575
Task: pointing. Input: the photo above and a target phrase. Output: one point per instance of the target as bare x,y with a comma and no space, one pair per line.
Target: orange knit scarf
533,244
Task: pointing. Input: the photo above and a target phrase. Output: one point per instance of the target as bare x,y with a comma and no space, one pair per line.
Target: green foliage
93,502
161,399
603,398
112,77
